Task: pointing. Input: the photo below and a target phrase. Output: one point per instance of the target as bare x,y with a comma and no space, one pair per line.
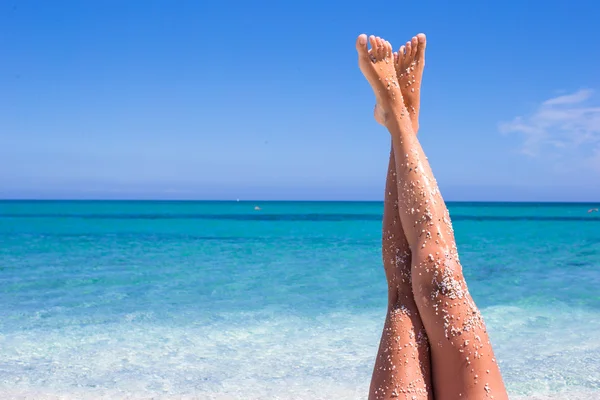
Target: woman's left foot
377,65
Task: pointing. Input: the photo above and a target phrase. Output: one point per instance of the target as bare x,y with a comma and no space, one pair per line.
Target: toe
388,48
361,46
373,42
414,45
422,42
408,47
401,56
380,48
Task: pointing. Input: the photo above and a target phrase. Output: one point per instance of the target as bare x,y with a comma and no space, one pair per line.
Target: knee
437,277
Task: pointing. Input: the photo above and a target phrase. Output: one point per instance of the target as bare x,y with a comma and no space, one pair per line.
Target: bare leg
403,366
462,357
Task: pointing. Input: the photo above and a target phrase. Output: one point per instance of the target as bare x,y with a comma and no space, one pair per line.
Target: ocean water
217,300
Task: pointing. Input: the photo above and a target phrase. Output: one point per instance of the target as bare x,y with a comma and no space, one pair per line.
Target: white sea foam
545,354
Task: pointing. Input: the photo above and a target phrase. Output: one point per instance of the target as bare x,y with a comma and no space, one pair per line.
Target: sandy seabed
289,394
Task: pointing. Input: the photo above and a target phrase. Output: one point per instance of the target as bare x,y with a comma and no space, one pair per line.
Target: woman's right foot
409,62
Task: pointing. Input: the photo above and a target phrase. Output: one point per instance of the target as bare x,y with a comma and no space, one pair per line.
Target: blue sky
264,100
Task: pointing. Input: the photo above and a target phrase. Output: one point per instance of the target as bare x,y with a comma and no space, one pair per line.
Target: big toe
422,43
361,46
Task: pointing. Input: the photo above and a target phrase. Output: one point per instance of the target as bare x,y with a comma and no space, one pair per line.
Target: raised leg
463,361
402,367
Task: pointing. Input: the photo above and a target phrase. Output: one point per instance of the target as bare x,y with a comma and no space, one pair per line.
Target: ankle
398,121
415,125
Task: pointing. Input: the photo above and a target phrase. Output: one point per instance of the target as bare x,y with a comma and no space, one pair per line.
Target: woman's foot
377,65
409,63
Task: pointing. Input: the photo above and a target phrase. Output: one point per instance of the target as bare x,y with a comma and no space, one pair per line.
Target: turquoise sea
217,300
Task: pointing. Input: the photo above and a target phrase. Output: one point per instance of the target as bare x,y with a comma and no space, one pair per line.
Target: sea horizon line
133,200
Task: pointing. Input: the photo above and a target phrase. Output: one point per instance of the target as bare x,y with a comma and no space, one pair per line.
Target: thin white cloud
567,126
574,98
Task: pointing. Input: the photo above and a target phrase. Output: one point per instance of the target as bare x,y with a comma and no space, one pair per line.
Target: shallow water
219,301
